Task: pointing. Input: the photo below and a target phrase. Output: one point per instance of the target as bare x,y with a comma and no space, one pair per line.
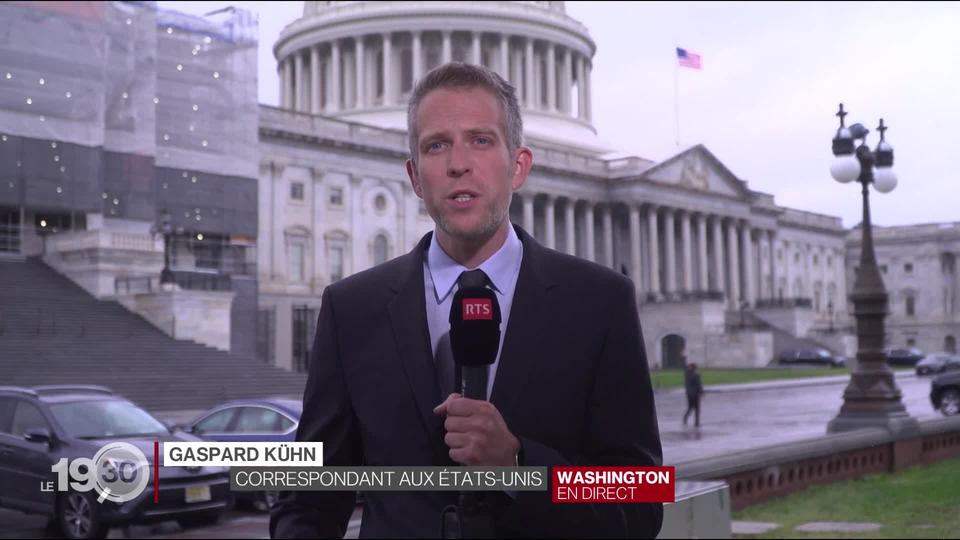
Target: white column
505,56
475,52
588,99
670,251
528,212
607,236
287,83
387,72
300,79
570,224
591,253
581,90
319,213
773,264
335,76
718,267
734,255
447,48
417,58
349,90
565,83
315,88
749,264
516,73
635,273
654,248
687,252
702,248
551,239
551,77
361,53
528,85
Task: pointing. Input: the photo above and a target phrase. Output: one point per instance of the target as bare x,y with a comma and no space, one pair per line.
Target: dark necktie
447,373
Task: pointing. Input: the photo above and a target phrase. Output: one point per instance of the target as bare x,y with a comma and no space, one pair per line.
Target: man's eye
483,140
434,146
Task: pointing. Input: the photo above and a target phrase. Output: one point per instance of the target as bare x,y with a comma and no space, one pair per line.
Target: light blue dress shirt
440,274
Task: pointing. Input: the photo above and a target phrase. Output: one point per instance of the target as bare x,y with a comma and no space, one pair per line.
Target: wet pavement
765,415
733,418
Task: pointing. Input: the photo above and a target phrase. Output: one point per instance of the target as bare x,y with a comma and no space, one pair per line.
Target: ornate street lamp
43,232
872,399
166,229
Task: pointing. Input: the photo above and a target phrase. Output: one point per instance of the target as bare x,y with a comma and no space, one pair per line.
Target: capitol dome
332,60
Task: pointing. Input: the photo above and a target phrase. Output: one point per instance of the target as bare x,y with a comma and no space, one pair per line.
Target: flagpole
676,98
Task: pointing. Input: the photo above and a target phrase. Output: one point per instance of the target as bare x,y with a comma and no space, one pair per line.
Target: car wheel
266,501
203,519
950,402
78,516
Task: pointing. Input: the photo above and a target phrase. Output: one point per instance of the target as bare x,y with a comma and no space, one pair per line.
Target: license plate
198,494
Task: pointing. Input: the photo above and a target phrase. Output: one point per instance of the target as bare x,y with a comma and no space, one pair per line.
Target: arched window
379,249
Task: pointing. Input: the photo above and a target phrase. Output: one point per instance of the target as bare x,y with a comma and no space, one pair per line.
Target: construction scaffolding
101,103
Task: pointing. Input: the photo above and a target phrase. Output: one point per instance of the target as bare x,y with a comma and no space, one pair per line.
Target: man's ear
523,163
414,178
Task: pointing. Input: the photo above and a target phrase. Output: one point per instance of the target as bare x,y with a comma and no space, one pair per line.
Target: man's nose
459,163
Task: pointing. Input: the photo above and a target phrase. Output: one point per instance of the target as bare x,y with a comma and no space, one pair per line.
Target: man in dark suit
570,386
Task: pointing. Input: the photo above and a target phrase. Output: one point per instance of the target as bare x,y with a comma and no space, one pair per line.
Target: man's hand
476,433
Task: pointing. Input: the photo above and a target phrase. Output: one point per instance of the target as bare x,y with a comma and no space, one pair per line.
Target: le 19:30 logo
118,472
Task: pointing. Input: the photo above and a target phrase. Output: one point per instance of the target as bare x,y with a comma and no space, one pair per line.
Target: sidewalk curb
779,384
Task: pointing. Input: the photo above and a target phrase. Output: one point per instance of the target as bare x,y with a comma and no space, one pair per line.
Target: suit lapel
522,343
408,317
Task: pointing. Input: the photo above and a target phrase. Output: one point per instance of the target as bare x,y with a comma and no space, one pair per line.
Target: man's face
465,174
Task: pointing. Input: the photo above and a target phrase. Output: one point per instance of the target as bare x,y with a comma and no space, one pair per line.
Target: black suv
39,426
945,393
904,357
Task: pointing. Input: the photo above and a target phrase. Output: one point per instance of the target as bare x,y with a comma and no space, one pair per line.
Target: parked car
812,356
273,419
904,357
938,363
945,393
39,426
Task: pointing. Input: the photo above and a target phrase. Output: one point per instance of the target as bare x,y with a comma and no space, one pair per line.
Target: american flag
688,59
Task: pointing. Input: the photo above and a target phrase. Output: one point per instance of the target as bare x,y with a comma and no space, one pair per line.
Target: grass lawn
921,502
673,378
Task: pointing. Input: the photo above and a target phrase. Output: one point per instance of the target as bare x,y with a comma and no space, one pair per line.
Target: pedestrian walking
694,391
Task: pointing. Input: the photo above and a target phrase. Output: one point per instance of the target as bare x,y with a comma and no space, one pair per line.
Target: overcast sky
763,103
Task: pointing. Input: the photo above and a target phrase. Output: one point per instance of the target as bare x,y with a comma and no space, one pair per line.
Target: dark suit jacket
572,384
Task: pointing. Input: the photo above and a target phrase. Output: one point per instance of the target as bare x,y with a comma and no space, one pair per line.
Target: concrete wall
201,316
738,350
692,321
701,510
93,259
797,321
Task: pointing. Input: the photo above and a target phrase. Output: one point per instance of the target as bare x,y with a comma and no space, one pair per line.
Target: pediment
698,169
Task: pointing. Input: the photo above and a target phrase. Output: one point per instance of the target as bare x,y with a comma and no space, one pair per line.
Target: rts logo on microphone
477,309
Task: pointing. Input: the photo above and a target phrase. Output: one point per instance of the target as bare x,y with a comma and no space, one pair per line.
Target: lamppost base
897,423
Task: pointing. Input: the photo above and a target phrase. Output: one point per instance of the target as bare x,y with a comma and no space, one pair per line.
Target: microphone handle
475,382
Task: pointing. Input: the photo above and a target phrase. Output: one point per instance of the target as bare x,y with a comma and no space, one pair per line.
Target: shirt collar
499,267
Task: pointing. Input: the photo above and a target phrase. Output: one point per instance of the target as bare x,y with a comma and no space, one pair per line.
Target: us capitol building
704,250
131,127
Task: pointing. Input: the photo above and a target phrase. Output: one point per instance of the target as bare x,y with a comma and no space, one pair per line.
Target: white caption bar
242,454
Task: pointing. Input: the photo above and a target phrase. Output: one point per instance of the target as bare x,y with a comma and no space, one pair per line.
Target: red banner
613,484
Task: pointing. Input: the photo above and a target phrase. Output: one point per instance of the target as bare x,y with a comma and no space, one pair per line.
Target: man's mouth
463,196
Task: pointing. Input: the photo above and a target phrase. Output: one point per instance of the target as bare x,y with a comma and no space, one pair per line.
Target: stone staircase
54,332
783,340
